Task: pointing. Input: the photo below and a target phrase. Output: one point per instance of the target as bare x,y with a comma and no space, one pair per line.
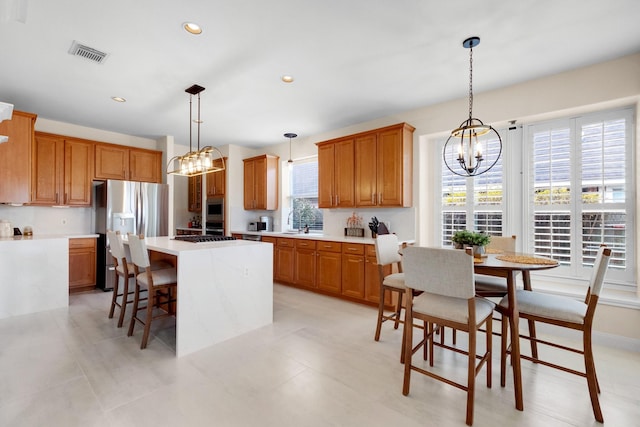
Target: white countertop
316,236
171,246
37,237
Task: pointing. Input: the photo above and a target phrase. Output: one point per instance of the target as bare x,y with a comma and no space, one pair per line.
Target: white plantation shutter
580,185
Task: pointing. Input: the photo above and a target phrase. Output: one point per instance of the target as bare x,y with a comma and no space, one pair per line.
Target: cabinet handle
379,198
337,199
352,249
373,195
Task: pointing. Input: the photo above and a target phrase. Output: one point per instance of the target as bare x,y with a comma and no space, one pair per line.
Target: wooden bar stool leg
114,297
153,299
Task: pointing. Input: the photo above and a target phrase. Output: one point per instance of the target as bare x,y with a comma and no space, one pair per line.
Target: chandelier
203,160
468,151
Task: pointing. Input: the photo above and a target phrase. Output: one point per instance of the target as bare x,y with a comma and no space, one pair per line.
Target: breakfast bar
225,289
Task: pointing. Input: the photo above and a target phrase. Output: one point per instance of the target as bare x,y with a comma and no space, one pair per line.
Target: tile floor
316,365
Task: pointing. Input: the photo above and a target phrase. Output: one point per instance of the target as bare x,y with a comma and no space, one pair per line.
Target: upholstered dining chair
160,286
448,299
564,312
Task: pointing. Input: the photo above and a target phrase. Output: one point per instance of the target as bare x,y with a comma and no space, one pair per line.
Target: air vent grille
87,52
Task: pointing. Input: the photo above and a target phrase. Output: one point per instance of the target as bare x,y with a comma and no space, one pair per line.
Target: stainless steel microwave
215,209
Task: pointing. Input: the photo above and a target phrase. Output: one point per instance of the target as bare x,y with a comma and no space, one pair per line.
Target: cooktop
203,238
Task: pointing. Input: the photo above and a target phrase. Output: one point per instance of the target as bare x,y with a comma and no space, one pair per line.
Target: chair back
503,243
387,250
439,271
116,246
138,249
599,269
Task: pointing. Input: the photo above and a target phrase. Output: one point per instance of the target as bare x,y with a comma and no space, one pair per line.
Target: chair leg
125,300
380,314
398,310
592,380
153,299
471,374
503,351
114,297
134,314
489,336
534,344
408,346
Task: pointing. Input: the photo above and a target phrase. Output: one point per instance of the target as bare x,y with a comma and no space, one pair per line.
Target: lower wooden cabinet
353,270
329,266
82,264
305,263
284,253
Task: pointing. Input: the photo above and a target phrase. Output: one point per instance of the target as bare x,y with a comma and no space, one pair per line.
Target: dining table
508,265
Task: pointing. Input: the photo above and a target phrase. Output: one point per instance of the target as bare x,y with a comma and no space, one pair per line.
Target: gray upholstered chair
448,299
564,312
160,284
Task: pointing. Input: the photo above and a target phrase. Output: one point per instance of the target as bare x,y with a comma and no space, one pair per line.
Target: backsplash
48,220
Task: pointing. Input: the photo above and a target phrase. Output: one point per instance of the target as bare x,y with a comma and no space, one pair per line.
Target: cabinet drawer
82,243
370,250
353,248
329,246
285,243
305,244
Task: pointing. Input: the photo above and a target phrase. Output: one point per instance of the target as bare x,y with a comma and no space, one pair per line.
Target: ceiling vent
87,52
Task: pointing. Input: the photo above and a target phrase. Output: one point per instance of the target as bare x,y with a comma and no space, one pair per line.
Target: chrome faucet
290,216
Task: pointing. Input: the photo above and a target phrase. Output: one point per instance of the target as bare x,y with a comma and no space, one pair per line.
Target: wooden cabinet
353,270
261,183
61,171
125,163
284,260
15,158
384,167
216,181
368,169
82,264
335,174
305,263
329,266
371,276
195,194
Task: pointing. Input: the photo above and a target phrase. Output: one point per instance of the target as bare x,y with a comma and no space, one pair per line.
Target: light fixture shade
473,148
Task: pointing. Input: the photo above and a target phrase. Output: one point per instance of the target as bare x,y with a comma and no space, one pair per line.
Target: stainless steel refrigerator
128,207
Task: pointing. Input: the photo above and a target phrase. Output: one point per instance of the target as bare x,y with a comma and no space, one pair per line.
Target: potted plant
461,238
479,241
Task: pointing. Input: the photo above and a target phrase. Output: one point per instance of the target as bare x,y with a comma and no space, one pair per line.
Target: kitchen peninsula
225,289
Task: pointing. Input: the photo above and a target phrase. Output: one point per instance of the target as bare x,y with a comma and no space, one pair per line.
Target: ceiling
352,60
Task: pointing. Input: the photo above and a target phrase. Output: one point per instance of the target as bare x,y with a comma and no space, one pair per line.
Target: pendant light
203,160
466,152
290,135
6,111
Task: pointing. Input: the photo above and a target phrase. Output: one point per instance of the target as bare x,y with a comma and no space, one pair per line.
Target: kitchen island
225,289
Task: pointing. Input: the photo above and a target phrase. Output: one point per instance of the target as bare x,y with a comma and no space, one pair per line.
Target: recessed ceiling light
192,27
118,99
287,78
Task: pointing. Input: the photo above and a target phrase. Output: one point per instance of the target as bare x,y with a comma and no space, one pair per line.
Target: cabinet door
216,181
390,168
260,183
353,275
195,194
366,192
15,158
111,162
372,281
344,176
145,165
47,170
326,176
249,184
329,271
78,170
284,263
305,268
82,264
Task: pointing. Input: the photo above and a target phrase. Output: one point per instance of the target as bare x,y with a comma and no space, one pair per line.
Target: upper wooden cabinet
261,183
369,169
195,194
127,163
15,158
216,181
61,171
335,174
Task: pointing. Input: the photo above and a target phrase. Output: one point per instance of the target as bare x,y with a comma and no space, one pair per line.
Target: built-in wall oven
214,224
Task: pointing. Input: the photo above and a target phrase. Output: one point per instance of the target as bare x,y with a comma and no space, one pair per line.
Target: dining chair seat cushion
549,306
120,269
490,283
166,276
450,308
155,265
395,280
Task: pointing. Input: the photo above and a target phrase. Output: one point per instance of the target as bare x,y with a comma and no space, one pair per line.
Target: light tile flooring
317,365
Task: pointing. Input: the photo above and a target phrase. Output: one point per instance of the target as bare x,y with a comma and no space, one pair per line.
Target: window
580,191
473,203
303,200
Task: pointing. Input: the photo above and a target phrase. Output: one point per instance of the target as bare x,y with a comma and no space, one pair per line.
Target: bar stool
160,284
123,270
